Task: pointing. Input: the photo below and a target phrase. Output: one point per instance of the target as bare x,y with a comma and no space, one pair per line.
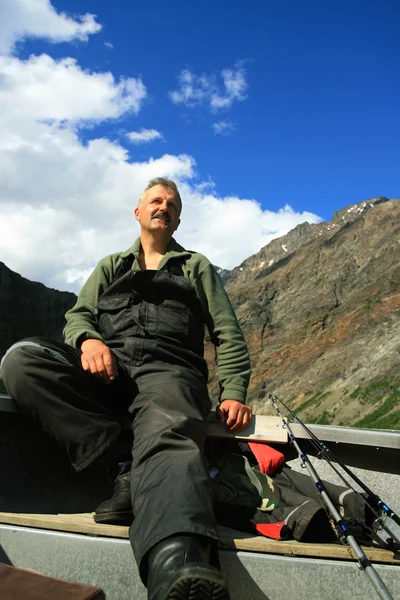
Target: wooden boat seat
262,428
230,538
25,584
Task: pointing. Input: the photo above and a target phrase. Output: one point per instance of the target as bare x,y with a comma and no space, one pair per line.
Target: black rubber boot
118,508
179,569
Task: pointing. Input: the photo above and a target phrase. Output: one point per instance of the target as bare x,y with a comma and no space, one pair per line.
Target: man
135,348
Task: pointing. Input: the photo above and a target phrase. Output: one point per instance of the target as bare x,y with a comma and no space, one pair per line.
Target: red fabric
268,458
271,530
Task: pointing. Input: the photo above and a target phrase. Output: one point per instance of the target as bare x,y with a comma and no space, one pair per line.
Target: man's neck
152,249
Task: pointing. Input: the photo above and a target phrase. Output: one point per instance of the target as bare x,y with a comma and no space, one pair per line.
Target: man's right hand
98,359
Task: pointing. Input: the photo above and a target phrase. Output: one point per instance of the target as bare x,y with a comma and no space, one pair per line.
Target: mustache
161,215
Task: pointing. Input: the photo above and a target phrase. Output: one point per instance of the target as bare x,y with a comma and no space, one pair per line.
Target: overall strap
123,268
174,266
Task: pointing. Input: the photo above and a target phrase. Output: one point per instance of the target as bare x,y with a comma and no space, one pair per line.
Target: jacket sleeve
232,352
82,318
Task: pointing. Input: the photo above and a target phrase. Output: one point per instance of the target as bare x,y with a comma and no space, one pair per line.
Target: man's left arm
232,352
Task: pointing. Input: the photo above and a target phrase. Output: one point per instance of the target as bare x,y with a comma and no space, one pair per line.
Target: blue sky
286,104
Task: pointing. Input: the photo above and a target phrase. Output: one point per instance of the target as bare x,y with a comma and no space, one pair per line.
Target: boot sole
113,518
198,584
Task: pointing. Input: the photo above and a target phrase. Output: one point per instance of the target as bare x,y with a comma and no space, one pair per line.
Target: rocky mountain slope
320,309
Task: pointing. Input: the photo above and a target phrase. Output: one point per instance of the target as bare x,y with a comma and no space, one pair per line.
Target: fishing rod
342,531
373,501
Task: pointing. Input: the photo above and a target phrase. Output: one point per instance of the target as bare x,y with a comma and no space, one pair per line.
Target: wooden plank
230,538
242,541
262,429
74,523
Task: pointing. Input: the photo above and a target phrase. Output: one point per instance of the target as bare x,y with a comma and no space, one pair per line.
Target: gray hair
167,183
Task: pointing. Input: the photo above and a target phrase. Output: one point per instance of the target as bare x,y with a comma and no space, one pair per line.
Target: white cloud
230,229
42,88
193,89
109,45
223,128
38,18
72,206
64,205
144,136
65,202
235,88
204,89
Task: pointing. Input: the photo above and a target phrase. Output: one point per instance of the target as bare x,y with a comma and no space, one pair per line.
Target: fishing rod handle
388,511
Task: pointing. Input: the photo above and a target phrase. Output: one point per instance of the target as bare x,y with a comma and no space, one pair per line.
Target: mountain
320,309
28,308
223,273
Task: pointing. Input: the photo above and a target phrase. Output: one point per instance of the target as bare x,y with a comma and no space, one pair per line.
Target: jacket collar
173,250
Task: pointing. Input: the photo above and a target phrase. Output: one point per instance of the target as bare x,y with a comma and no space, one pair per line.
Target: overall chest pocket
173,320
114,314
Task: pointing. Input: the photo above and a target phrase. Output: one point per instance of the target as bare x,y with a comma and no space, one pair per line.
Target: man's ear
136,213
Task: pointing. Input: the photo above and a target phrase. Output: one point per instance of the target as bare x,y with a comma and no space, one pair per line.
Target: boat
46,521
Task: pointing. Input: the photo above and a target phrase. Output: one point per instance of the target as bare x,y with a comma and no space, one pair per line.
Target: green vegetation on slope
381,399
323,419
387,415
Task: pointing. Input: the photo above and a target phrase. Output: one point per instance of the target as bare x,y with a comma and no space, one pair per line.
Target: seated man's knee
17,361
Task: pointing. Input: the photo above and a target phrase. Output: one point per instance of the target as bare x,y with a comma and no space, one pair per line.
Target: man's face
159,210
